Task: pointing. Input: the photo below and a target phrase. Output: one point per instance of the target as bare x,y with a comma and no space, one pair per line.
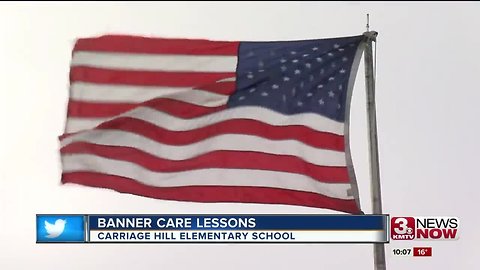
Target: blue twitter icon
60,228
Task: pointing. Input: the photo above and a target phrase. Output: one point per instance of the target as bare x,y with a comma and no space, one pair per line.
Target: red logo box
402,228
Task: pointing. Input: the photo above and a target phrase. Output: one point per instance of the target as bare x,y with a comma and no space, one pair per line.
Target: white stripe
231,79
232,142
156,62
161,119
82,91
204,177
75,124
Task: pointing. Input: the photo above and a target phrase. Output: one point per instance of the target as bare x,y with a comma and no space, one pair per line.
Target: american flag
213,121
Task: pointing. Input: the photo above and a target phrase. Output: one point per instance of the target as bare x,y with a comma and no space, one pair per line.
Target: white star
314,48
321,101
261,70
336,46
330,54
300,103
286,79
302,84
283,60
252,90
344,59
322,71
264,94
275,86
297,71
319,59
284,98
331,94
338,106
260,64
351,45
306,55
250,54
241,98
293,52
308,65
341,49
309,94
250,75
283,68
293,91
340,87
294,60
333,64
331,78
342,70
320,86
311,78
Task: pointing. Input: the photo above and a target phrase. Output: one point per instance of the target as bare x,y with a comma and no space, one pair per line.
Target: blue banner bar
237,222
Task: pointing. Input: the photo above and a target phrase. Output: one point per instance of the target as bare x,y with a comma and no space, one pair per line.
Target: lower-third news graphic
213,229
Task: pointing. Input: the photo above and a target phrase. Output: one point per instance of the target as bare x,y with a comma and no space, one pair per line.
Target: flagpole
378,248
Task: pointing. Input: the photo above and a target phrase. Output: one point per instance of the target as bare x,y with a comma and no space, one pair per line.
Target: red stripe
212,193
137,44
146,78
170,106
222,88
215,159
303,134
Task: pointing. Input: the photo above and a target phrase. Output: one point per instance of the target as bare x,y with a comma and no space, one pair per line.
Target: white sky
427,109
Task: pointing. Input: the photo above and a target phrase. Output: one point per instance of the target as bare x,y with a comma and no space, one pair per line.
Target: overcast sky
427,110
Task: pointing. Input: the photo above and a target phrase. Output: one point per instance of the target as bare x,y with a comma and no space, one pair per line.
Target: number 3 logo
402,227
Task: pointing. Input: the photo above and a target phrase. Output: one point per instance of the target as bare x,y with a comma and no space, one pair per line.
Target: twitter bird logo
60,228
55,230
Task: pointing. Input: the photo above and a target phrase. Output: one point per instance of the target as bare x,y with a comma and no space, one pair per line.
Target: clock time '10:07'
402,251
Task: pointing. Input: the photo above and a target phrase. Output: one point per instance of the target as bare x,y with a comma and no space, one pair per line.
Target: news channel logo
60,229
424,228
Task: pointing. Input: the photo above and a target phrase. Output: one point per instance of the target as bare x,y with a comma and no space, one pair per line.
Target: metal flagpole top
371,35
368,22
